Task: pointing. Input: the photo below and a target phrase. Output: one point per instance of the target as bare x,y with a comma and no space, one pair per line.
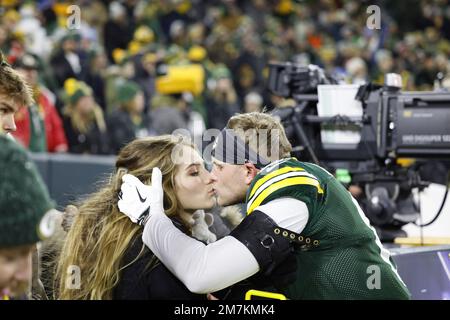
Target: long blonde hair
100,234
82,124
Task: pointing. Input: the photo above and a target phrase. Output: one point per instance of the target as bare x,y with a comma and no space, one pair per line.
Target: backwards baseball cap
25,206
231,149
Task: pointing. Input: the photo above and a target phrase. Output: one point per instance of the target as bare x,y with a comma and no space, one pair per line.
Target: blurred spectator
253,102
94,74
83,120
129,121
385,64
247,68
118,30
3,38
66,63
9,21
426,76
39,127
146,76
193,119
47,15
16,46
25,218
166,117
198,55
222,102
356,70
38,42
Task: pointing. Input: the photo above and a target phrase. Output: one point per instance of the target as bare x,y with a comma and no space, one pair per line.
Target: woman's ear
251,172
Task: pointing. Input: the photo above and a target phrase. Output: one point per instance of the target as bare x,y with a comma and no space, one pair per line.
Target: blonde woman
106,246
84,121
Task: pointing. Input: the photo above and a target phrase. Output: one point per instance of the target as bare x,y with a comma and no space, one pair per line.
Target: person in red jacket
39,126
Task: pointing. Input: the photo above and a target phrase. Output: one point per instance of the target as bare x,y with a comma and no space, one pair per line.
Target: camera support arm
298,110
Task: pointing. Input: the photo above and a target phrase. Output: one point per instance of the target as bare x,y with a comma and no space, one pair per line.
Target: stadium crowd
95,81
103,73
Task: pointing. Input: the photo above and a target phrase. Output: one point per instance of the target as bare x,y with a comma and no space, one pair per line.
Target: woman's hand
139,201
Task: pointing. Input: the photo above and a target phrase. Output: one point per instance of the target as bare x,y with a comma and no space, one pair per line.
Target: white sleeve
208,268
288,213
202,268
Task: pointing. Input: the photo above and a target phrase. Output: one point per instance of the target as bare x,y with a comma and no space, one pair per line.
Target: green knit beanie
126,91
78,94
24,199
220,72
83,90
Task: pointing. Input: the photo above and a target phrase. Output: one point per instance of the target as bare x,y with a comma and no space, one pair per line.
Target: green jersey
340,255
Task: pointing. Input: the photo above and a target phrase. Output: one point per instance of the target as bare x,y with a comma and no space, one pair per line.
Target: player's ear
250,172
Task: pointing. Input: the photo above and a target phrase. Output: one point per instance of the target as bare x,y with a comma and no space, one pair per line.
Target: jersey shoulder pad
285,178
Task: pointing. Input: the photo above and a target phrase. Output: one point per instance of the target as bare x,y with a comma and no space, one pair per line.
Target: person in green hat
26,217
129,120
66,62
83,120
222,102
95,74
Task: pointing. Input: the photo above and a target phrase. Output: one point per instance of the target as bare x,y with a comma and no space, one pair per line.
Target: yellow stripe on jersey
282,184
269,176
265,294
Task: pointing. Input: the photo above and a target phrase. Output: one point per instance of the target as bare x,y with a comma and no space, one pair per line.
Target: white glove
135,198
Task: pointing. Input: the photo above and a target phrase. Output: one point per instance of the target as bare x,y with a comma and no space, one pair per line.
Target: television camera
401,135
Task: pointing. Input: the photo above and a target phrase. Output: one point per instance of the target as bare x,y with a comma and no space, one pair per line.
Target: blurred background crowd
134,68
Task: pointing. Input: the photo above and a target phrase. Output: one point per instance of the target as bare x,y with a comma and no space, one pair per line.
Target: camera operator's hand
139,201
